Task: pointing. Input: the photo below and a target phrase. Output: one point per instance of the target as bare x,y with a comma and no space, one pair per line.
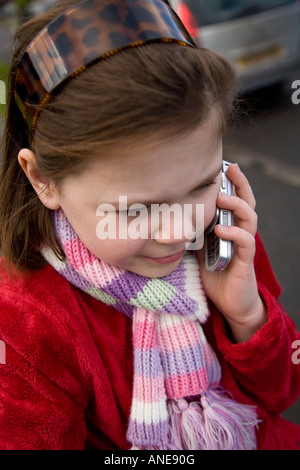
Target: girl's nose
174,227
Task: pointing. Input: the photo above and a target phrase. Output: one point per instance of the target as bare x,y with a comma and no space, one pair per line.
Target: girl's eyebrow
207,180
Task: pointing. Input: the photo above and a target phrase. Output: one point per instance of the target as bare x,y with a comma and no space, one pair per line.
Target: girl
129,342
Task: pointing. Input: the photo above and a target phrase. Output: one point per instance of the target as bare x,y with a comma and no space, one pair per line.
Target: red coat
67,380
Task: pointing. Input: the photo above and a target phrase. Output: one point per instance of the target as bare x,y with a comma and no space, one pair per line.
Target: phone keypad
212,249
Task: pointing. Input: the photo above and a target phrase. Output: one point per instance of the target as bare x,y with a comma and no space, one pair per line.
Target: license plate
273,53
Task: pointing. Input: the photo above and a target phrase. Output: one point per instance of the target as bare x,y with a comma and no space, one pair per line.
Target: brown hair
132,95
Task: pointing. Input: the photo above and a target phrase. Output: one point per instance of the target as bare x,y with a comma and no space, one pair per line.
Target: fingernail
237,167
224,195
222,228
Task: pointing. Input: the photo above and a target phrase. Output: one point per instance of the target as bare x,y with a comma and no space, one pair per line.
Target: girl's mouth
166,259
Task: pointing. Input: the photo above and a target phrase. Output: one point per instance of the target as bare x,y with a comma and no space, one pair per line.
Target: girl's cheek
115,252
210,202
210,209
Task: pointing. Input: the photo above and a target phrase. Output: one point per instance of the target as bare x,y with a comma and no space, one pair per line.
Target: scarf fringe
216,422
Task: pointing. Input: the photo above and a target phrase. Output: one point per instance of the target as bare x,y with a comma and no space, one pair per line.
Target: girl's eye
206,186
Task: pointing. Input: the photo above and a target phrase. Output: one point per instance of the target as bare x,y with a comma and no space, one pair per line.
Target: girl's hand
234,290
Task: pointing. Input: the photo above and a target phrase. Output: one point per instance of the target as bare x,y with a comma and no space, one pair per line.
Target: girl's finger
241,184
244,241
244,216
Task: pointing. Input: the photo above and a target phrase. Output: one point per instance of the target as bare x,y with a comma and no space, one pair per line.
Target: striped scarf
177,402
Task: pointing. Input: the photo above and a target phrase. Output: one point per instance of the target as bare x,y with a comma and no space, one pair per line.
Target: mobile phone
218,252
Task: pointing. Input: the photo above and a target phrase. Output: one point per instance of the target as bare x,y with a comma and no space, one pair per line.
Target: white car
260,37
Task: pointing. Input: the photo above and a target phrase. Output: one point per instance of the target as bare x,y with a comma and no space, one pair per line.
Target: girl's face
182,171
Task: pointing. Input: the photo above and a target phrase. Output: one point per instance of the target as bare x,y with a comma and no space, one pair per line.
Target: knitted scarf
177,401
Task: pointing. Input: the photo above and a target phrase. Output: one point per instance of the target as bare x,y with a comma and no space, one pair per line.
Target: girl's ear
45,190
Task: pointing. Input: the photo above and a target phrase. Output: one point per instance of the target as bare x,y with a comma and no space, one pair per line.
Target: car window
208,12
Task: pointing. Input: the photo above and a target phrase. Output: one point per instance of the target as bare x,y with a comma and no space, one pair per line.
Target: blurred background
262,40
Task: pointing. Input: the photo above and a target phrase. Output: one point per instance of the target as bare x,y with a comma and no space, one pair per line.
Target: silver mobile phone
218,252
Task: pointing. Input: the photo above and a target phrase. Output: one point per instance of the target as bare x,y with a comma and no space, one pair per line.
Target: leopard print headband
84,34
